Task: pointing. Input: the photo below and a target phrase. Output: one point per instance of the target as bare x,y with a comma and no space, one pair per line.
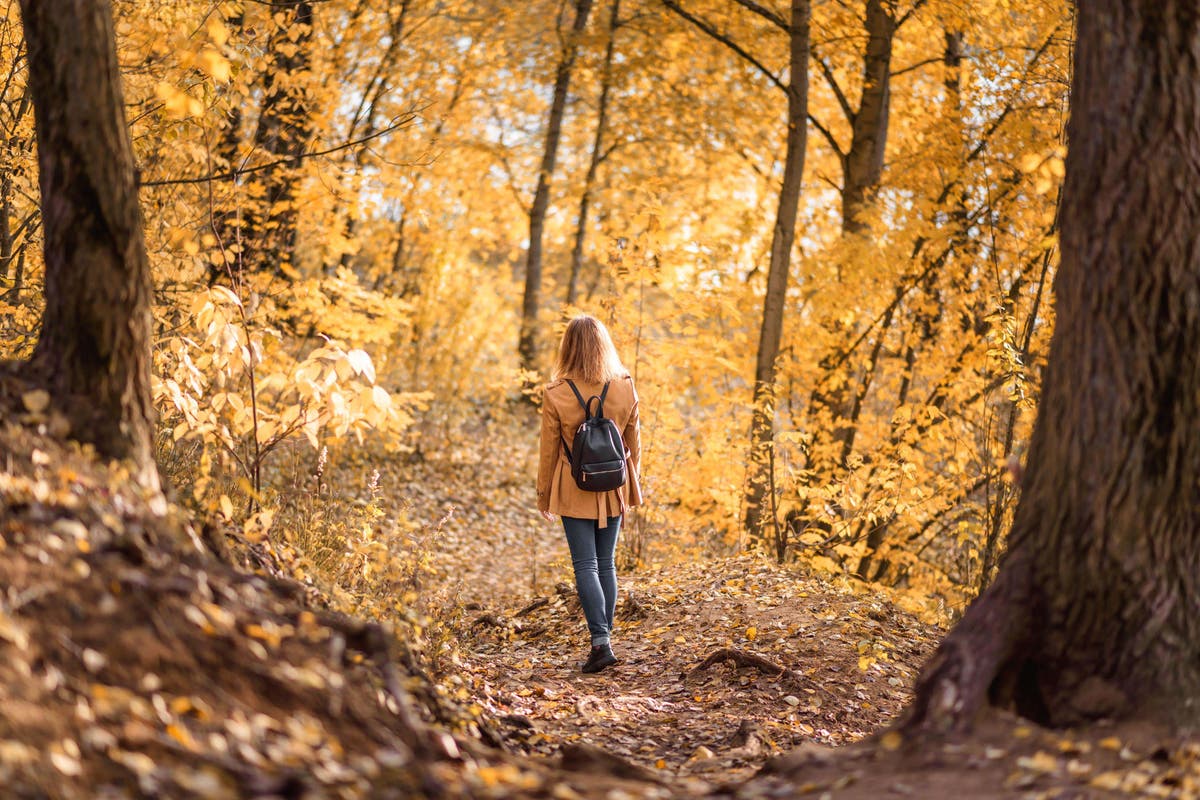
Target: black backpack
597,457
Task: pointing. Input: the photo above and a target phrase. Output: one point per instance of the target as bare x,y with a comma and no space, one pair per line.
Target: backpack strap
600,407
579,397
566,449
587,404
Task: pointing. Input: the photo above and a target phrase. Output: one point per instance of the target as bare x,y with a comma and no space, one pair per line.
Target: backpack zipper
599,472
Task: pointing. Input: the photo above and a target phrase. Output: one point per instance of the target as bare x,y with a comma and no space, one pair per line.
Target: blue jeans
592,551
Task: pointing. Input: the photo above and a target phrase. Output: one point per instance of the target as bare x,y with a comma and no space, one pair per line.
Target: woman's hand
546,515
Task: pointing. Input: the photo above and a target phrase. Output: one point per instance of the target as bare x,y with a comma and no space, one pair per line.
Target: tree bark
589,180
283,131
94,350
527,346
762,427
864,162
1093,612
226,220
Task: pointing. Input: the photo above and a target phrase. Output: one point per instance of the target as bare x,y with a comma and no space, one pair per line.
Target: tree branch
918,65
767,14
816,123
711,31
837,89
908,14
236,173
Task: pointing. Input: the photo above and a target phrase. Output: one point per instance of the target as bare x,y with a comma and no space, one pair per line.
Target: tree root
372,640
980,662
494,620
538,602
747,738
743,658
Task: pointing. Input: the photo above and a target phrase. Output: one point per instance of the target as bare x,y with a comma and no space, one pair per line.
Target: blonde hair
587,353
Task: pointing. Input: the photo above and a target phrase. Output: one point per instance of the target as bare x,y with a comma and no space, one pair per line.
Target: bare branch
767,14
827,71
908,14
711,31
829,137
236,173
916,66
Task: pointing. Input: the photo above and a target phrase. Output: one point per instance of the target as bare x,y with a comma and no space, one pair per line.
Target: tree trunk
94,350
762,428
927,315
1093,612
836,401
284,128
527,347
226,218
864,161
589,179
368,108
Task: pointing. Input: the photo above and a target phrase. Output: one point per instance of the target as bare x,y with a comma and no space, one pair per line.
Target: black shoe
600,658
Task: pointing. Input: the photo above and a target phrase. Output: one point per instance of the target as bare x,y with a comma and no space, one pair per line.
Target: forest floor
133,665
724,662
738,677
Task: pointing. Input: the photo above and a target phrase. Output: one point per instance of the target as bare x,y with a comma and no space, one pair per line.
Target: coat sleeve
549,449
633,436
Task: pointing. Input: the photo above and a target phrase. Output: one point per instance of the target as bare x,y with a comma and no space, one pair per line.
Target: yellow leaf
178,104
36,401
215,65
1041,762
752,633
218,33
891,741
181,735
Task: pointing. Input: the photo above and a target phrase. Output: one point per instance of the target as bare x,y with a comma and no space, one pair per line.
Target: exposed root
743,658
978,664
538,602
371,639
747,738
491,620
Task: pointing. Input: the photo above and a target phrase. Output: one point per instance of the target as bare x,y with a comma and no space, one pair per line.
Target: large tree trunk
1093,613
527,346
94,351
762,429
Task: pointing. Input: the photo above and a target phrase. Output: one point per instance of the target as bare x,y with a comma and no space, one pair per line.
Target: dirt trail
811,663
816,666
819,662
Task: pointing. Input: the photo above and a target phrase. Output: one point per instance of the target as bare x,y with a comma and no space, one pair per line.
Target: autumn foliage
337,201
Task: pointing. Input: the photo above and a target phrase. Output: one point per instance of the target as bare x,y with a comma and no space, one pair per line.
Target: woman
591,520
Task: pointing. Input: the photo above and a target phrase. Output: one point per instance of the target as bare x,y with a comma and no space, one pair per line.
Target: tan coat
561,416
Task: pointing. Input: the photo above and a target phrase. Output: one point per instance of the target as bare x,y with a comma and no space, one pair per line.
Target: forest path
820,662
805,663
